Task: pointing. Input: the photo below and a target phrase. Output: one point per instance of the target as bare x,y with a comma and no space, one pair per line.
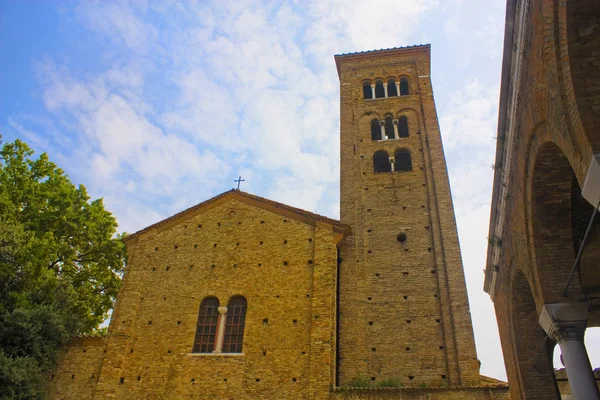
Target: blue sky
159,105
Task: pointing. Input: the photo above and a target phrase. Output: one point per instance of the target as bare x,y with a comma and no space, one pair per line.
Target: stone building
240,297
544,242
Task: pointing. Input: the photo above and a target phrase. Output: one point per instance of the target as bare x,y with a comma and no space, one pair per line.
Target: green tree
60,267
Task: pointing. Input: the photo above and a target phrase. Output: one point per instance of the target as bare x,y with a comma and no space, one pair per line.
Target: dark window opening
379,90
234,325
404,87
392,90
206,329
375,130
389,128
381,161
367,90
401,237
403,160
403,126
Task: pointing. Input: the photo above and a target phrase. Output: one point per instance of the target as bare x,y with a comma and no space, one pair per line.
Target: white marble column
392,164
220,330
398,88
396,136
385,89
382,127
372,90
566,323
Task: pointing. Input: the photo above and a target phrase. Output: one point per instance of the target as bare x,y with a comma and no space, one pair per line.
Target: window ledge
215,354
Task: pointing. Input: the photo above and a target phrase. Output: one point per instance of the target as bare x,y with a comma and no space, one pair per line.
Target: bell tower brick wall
404,313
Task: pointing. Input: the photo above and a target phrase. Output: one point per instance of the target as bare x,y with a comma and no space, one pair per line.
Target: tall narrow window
389,128
403,126
379,90
375,130
381,161
206,329
392,90
404,87
403,160
234,326
367,90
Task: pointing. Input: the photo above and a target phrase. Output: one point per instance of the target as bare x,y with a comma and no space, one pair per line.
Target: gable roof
257,201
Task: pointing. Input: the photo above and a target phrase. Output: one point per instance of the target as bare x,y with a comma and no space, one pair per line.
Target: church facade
240,297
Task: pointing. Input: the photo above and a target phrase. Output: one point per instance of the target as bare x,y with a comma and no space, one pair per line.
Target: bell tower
403,315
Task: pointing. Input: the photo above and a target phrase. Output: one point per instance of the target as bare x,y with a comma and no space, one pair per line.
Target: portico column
220,330
385,89
396,129
566,323
398,87
372,90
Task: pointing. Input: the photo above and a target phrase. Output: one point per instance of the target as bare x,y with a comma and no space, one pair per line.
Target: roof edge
269,205
378,52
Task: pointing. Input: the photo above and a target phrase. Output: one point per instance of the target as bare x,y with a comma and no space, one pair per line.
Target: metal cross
239,180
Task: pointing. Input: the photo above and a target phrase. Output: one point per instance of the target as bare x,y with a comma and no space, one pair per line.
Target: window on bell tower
381,161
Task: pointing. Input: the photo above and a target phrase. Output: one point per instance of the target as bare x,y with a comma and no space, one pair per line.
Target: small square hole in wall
285,220
370,251
139,378
308,296
185,227
369,230
237,244
239,223
285,242
294,379
373,349
294,321
259,264
265,321
52,377
429,249
262,222
93,376
73,377
264,352
407,348
373,378
404,207
441,347
260,243
437,320
156,249
278,296
149,322
122,322
192,380
175,246
214,245
422,206
405,249
191,267
168,351
199,226
410,377
368,209
164,298
405,273
405,297
377,274
153,269
234,265
224,379
257,379
213,265
408,321
309,240
285,263
310,261
195,245
433,271
316,317
303,353
369,298
370,322
167,268
178,322
443,376
218,224
130,351
121,380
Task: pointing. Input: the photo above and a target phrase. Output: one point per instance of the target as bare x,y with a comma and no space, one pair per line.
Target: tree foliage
60,266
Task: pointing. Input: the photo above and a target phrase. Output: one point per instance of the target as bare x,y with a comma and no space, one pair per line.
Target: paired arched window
389,128
402,160
389,88
375,129
379,89
392,91
392,128
367,90
403,126
381,161
404,87
220,329
206,328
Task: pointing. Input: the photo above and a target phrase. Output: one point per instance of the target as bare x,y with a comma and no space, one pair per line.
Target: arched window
379,90
367,90
206,328
381,161
404,87
234,326
375,130
403,126
392,90
403,160
389,128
